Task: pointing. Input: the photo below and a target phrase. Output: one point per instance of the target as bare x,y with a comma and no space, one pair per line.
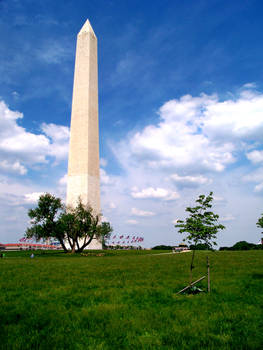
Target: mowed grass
128,300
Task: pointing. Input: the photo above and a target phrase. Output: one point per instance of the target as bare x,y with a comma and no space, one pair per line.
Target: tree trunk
69,241
85,244
63,245
208,274
191,267
73,247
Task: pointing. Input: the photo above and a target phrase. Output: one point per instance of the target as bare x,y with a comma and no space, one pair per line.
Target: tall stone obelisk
83,162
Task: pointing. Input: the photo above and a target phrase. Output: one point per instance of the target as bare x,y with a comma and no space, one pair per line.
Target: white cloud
255,177
63,180
190,180
56,132
196,134
33,197
105,178
20,149
249,86
53,52
59,137
255,156
103,162
227,218
218,199
132,222
259,187
112,205
150,192
14,167
139,212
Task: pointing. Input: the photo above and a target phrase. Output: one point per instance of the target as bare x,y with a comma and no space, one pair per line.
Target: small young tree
201,226
260,222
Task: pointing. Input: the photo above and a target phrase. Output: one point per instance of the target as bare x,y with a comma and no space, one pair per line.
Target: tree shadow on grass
257,276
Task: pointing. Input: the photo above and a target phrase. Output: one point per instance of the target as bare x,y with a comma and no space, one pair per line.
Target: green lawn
127,300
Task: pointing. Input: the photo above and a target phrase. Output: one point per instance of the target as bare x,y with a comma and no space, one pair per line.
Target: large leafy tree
201,226
45,219
82,226
75,226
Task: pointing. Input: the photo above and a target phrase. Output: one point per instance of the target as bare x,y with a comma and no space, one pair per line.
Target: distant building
181,247
28,246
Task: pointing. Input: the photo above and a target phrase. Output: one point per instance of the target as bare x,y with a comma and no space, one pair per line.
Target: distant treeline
163,247
199,246
243,245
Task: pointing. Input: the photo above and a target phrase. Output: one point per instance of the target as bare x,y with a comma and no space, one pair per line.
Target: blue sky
180,105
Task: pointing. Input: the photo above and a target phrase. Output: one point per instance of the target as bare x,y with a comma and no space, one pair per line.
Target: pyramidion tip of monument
87,28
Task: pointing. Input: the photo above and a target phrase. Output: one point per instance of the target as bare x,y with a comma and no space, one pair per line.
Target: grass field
127,300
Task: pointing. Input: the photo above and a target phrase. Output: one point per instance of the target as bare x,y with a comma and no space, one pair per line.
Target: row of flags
115,240
31,240
125,240
25,240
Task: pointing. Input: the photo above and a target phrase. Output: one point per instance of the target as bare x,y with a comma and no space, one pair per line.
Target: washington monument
83,161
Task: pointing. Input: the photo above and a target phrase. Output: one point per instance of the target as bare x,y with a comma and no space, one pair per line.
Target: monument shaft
83,162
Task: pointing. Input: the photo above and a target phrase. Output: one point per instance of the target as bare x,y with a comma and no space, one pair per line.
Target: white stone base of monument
94,244
88,188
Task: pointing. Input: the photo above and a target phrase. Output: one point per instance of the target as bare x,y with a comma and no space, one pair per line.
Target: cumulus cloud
14,167
112,205
21,149
32,198
190,180
132,222
105,178
255,177
59,140
255,156
103,162
138,212
157,193
197,134
259,187
63,180
227,218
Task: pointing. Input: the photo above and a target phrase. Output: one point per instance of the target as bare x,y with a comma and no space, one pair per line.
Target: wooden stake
208,274
190,285
191,267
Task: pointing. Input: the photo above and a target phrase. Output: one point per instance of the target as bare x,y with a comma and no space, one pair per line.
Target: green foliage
200,246
162,247
81,226
128,301
202,224
45,219
260,222
78,226
243,245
